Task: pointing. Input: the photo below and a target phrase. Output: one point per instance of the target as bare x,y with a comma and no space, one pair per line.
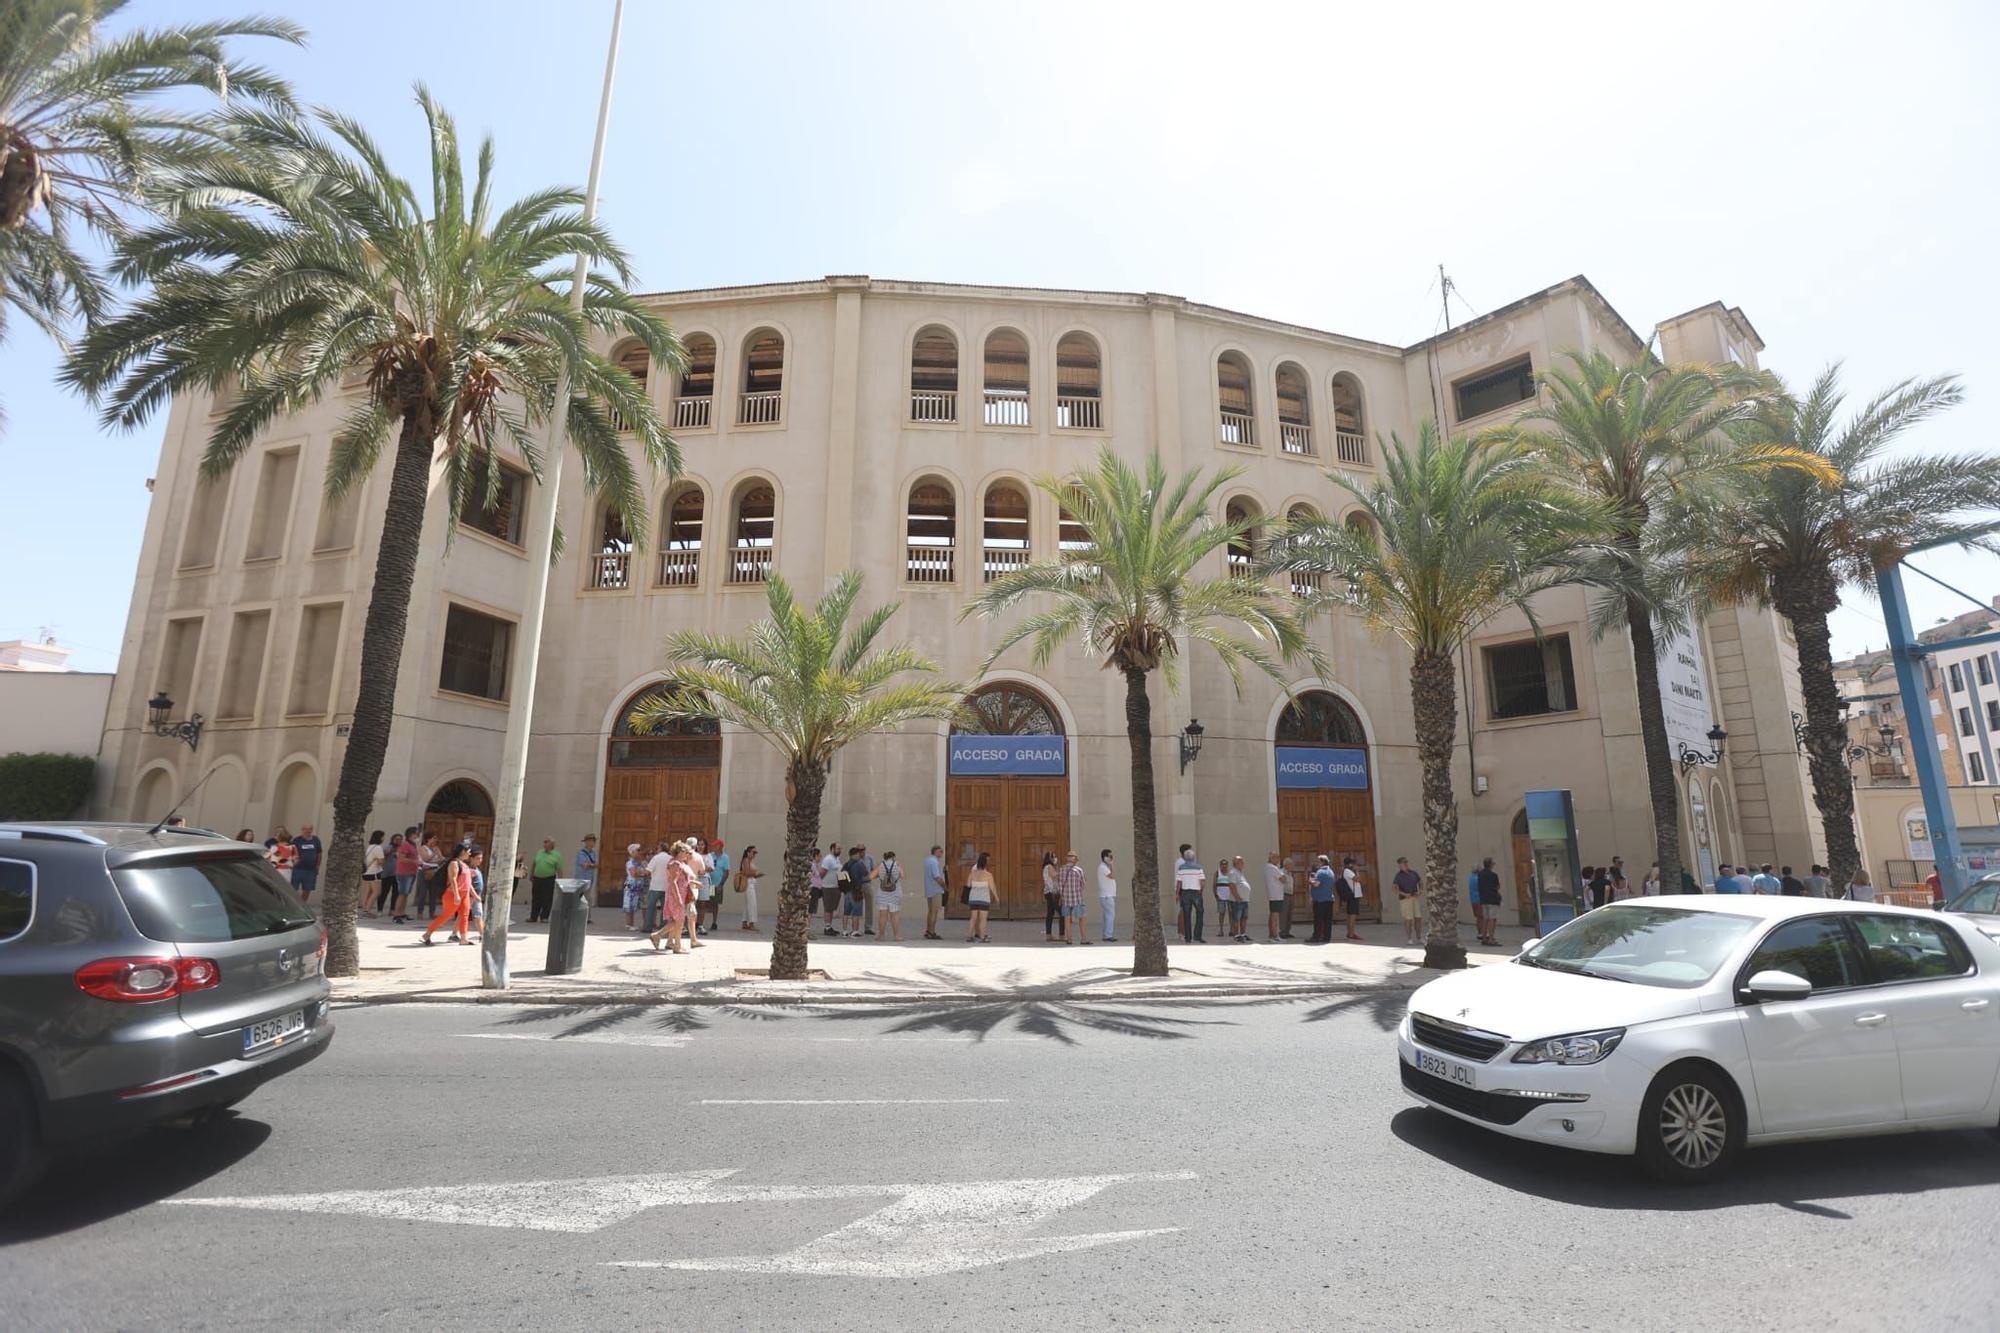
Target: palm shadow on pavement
94,1183
1784,1174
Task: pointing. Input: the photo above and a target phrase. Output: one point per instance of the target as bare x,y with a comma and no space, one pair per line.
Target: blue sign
1324,767
1009,756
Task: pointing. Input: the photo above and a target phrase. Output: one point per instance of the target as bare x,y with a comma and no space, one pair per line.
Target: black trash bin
567,924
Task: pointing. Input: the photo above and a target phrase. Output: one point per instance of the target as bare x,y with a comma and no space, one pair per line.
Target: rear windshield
209,899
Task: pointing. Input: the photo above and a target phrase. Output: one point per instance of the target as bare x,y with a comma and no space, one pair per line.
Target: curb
808,998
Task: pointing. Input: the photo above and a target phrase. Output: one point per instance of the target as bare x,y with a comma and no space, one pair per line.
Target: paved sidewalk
621,967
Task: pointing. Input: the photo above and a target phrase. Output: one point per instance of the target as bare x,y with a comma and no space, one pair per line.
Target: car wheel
20,1137
1690,1126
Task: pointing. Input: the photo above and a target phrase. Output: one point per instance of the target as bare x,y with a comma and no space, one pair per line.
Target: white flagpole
528,640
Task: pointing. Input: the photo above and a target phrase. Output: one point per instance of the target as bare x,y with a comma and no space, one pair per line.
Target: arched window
1295,432
680,537
1304,581
1243,547
1361,525
763,399
611,558
1007,709
934,376
695,743
1004,535
153,797
636,361
295,797
1232,387
930,550
1079,383
1006,378
691,408
1350,432
461,796
1319,718
754,541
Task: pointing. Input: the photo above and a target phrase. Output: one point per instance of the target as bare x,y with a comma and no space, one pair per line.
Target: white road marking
543,1205
600,1038
929,1228
891,1036
849,1101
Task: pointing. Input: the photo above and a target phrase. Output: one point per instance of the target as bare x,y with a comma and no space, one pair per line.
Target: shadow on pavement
94,1183
1784,1174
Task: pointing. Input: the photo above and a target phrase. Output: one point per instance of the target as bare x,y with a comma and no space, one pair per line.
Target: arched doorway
1326,799
295,798
459,810
1007,792
1704,836
153,797
662,784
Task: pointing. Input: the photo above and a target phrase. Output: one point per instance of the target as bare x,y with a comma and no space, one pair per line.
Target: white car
1683,1029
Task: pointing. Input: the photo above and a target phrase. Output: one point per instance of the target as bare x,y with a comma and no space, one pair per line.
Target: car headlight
1578,1048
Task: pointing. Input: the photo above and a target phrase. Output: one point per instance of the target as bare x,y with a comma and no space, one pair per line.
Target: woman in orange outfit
457,899
680,888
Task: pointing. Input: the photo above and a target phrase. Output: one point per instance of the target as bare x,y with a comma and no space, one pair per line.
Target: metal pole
528,641
1903,646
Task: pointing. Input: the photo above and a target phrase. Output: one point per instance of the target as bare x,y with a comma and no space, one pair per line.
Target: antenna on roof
183,800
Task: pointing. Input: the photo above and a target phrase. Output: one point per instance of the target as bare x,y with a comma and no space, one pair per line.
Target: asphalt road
1267,1173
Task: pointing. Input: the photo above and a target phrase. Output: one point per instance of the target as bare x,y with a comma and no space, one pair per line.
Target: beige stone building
893,427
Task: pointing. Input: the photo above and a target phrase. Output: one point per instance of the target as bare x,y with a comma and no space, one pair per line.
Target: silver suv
145,974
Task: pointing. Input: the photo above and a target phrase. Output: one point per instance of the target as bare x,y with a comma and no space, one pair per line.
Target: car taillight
142,979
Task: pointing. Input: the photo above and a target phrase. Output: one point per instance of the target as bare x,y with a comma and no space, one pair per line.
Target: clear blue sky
1828,167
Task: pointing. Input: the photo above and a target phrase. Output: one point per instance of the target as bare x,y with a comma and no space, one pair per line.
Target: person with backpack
1489,902
853,892
455,900
889,899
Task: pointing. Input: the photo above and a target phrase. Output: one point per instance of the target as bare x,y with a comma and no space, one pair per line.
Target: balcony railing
930,564
1078,413
998,560
933,404
611,569
1241,565
749,564
1295,438
691,413
761,409
1006,407
1238,428
680,568
1304,584
1351,447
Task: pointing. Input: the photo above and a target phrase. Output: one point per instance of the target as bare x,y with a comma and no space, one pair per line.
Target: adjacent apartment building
895,428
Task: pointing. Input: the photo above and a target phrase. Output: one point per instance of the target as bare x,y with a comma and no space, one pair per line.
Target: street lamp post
159,708
541,541
1691,758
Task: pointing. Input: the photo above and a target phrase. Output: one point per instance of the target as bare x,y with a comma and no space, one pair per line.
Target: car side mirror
1775,985
1529,943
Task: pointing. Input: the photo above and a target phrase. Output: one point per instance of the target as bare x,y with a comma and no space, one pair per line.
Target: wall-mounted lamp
159,708
1692,759
1190,743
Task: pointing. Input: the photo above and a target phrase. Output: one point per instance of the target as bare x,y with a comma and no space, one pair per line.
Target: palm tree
1792,540
1458,530
82,129
811,684
1130,595
305,259
1644,438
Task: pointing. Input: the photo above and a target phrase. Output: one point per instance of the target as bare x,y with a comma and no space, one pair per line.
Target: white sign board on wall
1684,692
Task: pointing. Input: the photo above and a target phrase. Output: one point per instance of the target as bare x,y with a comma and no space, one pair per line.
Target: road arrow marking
542,1205
930,1229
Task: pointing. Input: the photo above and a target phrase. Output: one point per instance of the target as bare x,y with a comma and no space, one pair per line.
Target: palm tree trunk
1826,735
1662,782
1149,940
1434,700
806,784
374,706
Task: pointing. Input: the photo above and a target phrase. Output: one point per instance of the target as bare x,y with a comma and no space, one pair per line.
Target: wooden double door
1017,819
1337,824
454,829
644,805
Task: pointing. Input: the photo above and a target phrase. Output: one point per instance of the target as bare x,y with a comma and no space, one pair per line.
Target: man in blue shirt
718,879
1322,900
1765,882
933,892
1726,881
305,869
